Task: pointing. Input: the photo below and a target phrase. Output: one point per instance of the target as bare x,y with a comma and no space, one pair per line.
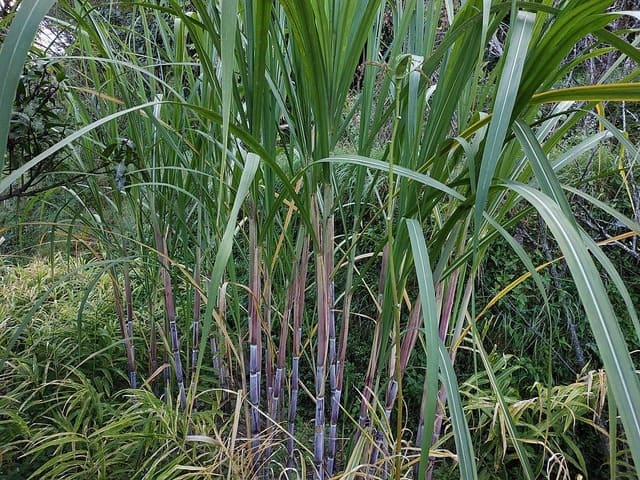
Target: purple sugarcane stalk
131,351
123,321
282,349
255,335
292,293
195,325
219,365
336,380
298,311
269,369
324,270
153,354
171,318
270,354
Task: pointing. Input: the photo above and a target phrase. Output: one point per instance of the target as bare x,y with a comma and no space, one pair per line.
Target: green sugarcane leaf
434,344
13,54
503,108
612,346
431,321
542,169
227,54
610,92
252,161
397,170
461,432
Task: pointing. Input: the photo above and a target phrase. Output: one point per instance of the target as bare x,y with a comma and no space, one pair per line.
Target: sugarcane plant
257,170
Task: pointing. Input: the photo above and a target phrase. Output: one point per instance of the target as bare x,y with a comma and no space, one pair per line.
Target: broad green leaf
539,162
13,54
631,13
612,346
617,280
586,145
619,216
610,92
431,322
397,170
504,102
227,54
461,432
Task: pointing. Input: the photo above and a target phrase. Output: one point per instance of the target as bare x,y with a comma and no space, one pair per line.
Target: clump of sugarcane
299,267
170,311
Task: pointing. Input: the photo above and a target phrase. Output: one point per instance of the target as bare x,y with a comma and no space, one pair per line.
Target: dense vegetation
313,239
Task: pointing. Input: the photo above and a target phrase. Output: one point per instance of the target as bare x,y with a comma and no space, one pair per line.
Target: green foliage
244,256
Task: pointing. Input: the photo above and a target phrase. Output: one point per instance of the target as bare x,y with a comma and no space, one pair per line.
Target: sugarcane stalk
274,404
170,310
269,372
292,293
129,345
269,366
125,327
153,349
344,336
255,335
324,270
336,395
219,365
298,312
195,324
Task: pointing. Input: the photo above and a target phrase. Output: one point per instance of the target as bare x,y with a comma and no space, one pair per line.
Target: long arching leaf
461,432
612,346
